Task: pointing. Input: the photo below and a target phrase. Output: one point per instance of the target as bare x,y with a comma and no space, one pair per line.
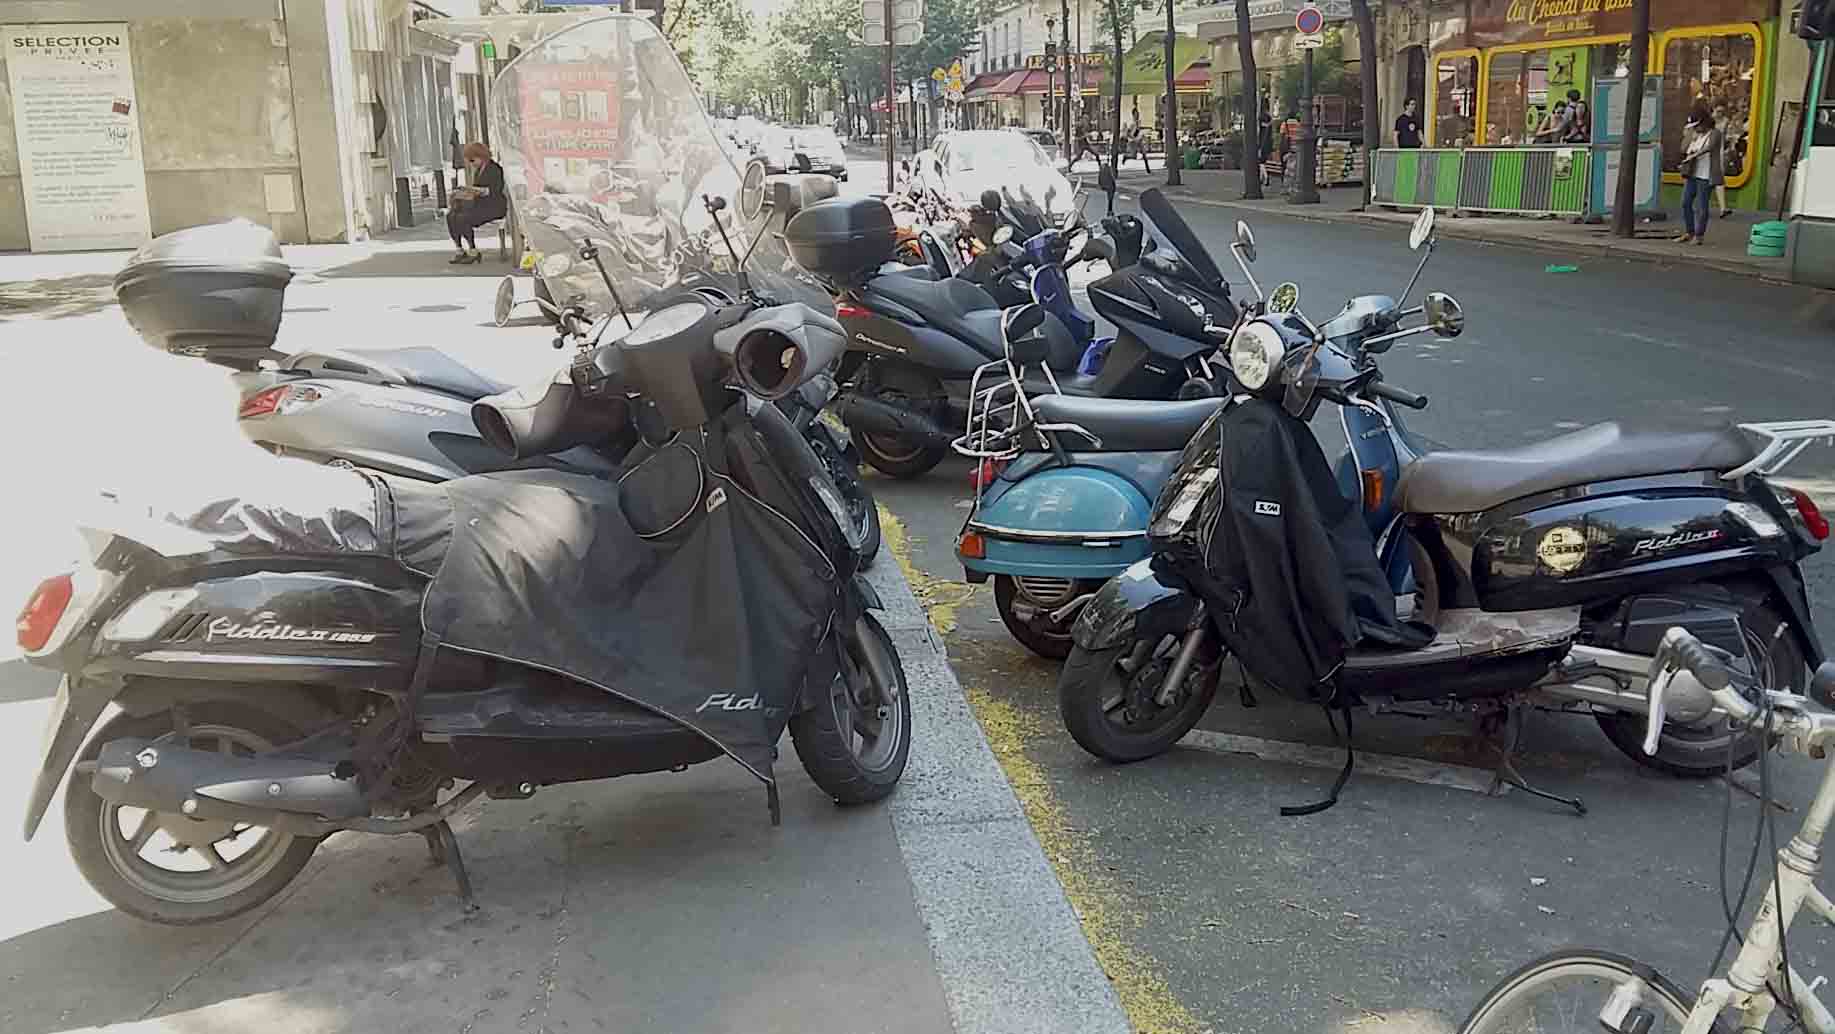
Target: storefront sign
1495,22
79,135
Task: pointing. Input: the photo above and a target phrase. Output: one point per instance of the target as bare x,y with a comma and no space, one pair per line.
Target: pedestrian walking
1408,126
1701,166
482,202
1137,144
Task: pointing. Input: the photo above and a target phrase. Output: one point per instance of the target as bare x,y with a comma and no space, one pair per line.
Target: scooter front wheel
1107,699
854,742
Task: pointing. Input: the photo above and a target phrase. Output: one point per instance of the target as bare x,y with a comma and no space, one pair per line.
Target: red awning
1196,79
1010,85
880,104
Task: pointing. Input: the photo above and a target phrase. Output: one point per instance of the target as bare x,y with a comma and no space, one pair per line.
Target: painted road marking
1415,770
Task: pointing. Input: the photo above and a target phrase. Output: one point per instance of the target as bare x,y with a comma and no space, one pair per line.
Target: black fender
1139,601
1787,586
83,700
869,596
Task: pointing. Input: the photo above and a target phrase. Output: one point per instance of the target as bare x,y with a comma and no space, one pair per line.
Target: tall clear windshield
602,138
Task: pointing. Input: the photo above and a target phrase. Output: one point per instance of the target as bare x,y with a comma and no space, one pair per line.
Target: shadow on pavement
56,298
20,681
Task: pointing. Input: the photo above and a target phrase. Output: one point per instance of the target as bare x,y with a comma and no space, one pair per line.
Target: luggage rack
982,439
1784,440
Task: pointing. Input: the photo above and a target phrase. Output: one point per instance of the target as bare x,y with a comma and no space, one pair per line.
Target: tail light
985,472
282,401
1813,519
850,310
43,611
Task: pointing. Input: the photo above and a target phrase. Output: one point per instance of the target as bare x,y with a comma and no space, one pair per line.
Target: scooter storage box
212,291
842,239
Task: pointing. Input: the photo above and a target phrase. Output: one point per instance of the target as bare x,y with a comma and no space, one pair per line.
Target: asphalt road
1398,909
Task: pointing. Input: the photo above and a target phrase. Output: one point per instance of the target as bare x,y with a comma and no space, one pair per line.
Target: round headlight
1255,355
556,265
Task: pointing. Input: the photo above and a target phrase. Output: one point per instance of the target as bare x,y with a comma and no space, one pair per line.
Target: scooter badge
1562,549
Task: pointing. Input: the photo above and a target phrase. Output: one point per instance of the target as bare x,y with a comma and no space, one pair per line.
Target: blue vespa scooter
1064,484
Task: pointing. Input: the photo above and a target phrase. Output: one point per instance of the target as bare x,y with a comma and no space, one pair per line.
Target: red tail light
1813,519
288,398
43,611
849,310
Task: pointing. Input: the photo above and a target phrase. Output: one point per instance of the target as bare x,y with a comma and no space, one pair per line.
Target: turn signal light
43,611
1373,489
1813,519
851,311
970,546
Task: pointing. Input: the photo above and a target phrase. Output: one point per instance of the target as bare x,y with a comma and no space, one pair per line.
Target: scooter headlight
1191,493
831,499
1255,355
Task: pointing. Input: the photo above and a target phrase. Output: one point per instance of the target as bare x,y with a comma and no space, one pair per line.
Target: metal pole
1308,192
1064,129
891,105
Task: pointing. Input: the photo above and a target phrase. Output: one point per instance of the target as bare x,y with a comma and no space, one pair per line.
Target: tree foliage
1328,74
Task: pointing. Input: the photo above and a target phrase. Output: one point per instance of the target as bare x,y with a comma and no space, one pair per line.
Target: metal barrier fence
1513,180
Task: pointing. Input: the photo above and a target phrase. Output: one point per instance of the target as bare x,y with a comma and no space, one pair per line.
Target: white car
804,149
960,165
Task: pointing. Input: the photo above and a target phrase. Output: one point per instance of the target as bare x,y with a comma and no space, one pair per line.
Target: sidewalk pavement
1725,249
660,903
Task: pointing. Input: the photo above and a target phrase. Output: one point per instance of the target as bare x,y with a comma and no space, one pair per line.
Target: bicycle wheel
1569,990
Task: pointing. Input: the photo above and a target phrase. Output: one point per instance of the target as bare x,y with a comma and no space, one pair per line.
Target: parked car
964,163
804,149
1045,138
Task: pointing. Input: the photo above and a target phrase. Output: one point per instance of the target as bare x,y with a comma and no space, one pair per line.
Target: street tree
1366,71
1251,105
1624,218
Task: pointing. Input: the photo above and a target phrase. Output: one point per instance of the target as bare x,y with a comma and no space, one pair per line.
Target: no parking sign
1309,21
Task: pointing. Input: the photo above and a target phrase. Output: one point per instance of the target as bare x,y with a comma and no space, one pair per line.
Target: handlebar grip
1399,396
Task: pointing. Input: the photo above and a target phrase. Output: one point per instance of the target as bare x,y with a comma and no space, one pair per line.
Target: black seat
1467,482
419,366
1126,425
963,310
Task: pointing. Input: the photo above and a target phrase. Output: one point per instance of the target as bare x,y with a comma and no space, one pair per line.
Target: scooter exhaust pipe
861,413
207,785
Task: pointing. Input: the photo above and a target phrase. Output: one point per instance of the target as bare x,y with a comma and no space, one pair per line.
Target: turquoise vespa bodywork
1085,518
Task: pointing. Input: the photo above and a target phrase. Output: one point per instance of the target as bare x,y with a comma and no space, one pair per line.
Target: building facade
326,120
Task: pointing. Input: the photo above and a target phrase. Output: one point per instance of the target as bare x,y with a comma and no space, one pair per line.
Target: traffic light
1051,56
1817,20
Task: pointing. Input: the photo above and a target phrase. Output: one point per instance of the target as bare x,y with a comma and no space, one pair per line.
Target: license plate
59,705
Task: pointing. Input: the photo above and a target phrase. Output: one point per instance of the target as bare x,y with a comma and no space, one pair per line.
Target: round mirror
1285,298
1444,314
1423,228
506,300
554,266
752,190
1003,235
1245,240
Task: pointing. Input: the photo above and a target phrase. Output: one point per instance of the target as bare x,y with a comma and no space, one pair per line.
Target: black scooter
915,343
1549,572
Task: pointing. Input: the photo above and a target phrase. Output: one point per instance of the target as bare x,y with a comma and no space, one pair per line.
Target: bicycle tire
1503,1003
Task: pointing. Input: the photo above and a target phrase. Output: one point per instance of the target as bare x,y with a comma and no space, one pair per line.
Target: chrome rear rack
1783,441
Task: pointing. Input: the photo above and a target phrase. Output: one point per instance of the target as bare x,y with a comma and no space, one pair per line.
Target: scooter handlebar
1399,396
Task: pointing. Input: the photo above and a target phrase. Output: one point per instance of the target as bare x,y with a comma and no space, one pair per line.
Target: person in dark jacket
473,206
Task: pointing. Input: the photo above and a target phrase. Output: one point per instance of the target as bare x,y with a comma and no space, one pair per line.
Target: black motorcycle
1547,573
377,660
915,343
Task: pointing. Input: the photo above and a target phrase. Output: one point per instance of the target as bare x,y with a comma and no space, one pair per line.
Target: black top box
842,239
211,291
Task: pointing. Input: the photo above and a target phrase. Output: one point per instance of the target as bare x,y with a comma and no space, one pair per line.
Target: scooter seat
417,366
965,311
1127,425
1471,481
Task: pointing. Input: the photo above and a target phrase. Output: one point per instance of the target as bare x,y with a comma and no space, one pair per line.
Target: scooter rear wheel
896,456
170,869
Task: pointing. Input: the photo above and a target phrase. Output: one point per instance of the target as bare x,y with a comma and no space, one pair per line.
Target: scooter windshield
603,140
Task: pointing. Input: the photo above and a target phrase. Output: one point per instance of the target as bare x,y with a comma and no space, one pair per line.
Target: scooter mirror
990,200
1284,298
752,190
1444,314
506,300
1245,240
1423,229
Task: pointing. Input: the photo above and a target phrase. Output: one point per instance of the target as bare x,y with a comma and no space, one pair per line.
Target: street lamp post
1051,70
1064,52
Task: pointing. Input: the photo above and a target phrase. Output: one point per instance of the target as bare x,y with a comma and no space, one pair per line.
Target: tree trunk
1169,128
1251,106
1366,67
1624,216
1115,69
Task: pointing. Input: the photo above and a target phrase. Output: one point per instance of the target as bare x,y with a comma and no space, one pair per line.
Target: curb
1451,228
1008,948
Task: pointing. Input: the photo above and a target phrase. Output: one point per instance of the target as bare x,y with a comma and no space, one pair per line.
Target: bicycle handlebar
1711,684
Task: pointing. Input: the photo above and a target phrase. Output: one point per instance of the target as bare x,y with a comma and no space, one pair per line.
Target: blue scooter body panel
1085,520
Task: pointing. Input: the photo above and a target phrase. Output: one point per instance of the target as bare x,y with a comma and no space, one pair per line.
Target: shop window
1455,101
1714,73
1518,97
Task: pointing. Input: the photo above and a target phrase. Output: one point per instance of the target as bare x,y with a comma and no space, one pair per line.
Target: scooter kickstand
1506,773
445,847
